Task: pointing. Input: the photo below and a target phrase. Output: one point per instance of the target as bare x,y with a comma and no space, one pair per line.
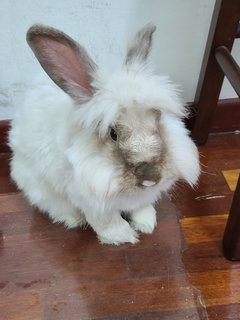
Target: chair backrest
217,61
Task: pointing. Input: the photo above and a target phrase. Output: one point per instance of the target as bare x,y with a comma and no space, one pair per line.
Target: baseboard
227,116
226,119
4,128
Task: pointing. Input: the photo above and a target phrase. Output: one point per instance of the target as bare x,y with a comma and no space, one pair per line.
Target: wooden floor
178,273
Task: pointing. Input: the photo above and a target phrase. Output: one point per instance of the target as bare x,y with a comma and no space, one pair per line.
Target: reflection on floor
177,273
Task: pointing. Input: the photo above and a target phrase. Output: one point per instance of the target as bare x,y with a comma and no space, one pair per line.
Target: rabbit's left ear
64,60
140,46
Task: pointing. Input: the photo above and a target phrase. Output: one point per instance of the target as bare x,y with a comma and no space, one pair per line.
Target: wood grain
212,195
21,306
204,228
179,272
231,177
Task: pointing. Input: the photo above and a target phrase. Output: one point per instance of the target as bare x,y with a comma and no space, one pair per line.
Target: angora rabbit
104,144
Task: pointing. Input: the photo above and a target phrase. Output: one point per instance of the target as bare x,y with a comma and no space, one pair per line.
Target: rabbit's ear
64,60
140,46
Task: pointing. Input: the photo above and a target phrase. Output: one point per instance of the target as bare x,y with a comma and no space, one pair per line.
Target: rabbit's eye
113,134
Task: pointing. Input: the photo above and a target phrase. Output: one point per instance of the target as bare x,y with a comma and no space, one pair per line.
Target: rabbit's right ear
64,60
140,46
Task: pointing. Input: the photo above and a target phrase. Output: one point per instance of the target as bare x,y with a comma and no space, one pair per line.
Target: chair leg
231,239
211,76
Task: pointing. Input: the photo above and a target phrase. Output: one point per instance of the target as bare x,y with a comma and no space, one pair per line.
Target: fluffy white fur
63,169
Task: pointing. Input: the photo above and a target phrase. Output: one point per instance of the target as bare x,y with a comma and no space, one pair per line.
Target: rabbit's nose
148,173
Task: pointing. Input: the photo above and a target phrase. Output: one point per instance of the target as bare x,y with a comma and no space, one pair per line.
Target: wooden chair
218,62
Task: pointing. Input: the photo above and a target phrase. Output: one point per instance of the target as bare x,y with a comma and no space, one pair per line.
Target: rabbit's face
138,144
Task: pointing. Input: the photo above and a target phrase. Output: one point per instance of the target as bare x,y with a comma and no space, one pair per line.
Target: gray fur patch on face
140,146
139,135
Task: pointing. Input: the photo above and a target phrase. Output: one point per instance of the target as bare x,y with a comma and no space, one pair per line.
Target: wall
104,26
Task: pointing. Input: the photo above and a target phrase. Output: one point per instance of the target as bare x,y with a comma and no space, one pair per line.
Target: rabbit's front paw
144,220
118,234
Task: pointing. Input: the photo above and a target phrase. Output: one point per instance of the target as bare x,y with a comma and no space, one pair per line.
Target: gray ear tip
41,30
150,28
34,30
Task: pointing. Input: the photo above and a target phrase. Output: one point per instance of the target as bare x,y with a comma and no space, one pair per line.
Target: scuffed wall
104,27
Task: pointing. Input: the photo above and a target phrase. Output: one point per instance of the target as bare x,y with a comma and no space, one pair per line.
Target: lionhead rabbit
103,144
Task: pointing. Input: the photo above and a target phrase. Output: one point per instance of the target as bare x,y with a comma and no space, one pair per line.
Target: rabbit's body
67,165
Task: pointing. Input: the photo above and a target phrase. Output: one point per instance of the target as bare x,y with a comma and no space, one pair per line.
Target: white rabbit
102,145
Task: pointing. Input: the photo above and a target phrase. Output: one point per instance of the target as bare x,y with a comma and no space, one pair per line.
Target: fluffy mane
129,86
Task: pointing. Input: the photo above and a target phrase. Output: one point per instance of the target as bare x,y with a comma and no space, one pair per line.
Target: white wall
103,27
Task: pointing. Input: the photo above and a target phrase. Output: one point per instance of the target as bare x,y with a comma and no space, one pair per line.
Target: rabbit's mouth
141,178
148,183
147,174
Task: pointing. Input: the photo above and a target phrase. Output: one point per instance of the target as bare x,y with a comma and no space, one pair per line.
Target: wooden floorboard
231,177
204,228
177,273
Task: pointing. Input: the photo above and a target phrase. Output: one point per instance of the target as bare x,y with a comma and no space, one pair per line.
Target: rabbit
89,145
